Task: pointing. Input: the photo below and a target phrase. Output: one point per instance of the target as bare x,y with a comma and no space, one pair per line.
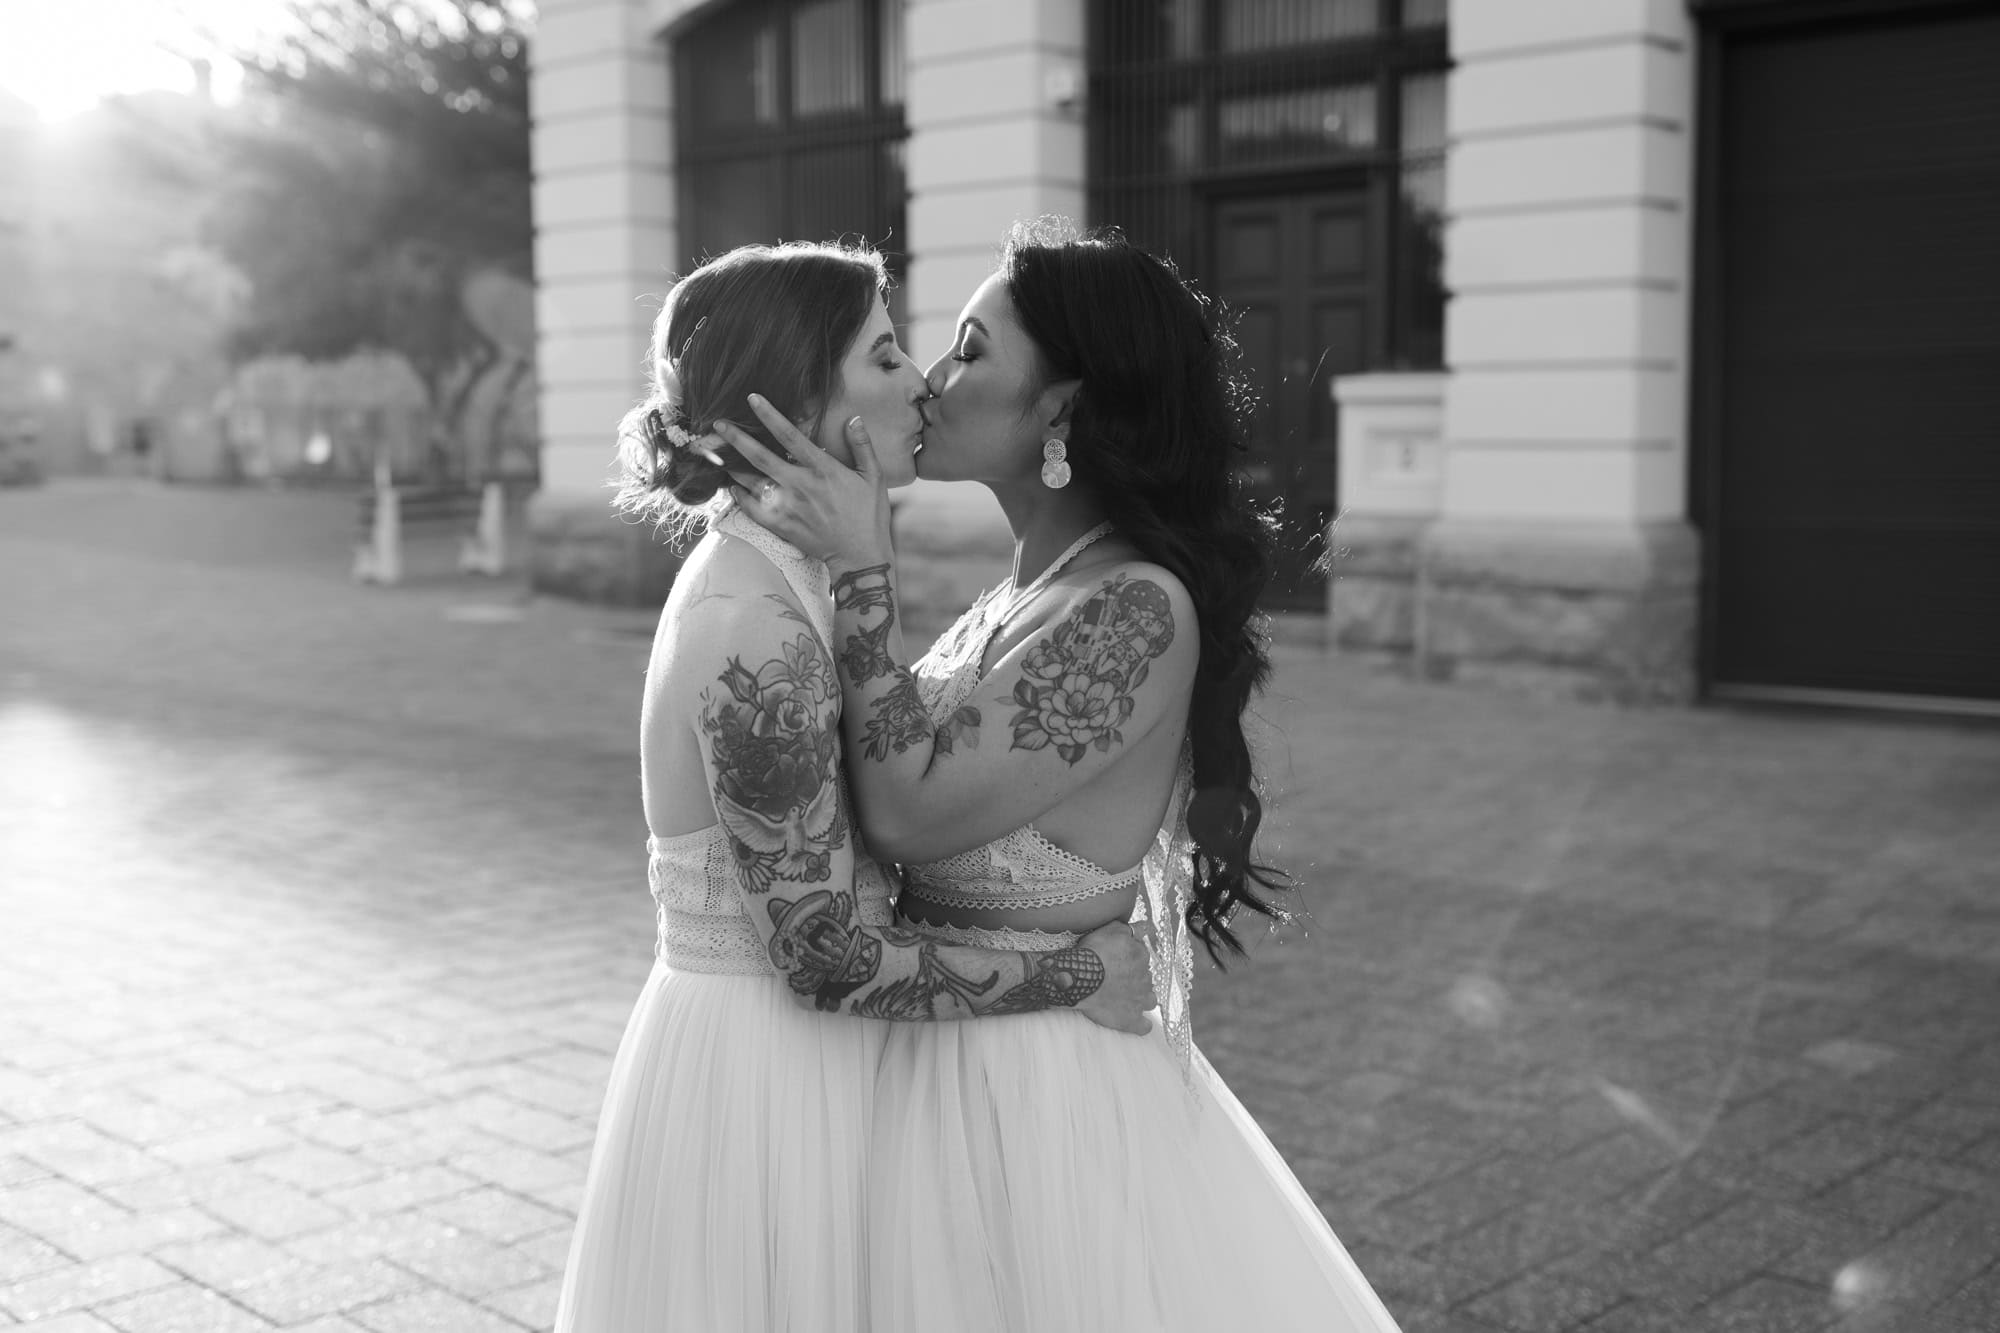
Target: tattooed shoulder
1077,684
772,727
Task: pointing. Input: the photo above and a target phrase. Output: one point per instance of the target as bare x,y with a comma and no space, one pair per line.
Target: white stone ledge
564,34
1627,322
1612,284
603,55
602,195
595,305
1561,444
1580,403
1566,127
579,359
1559,207
1016,149
963,218
1566,364
940,284
1628,80
606,106
609,139
1565,245
1487,27
1568,166
1535,482
940,28
956,61
643,253
621,80
587,411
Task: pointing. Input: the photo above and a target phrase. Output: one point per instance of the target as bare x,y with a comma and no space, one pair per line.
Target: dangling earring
1055,468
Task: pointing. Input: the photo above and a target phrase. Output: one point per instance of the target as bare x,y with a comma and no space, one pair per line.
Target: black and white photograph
1000,666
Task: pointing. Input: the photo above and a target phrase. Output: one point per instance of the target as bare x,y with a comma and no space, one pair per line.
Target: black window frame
877,125
1123,91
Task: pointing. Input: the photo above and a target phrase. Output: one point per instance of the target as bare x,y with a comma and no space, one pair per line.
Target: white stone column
604,246
1562,543
995,108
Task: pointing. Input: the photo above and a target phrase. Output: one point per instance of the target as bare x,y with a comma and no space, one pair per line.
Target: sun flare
63,58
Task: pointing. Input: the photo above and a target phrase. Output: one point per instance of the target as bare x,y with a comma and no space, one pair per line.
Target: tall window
790,125
1192,100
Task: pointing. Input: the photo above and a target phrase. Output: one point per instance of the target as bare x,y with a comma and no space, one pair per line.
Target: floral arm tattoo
1076,686
771,731
864,604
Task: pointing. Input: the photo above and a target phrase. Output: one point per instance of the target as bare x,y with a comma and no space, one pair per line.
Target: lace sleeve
1160,918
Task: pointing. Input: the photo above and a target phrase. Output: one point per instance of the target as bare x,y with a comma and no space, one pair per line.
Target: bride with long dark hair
1070,754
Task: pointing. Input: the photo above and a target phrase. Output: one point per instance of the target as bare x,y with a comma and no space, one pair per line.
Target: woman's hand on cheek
825,508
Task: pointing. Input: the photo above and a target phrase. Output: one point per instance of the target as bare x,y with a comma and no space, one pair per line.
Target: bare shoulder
1131,604
728,590
730,612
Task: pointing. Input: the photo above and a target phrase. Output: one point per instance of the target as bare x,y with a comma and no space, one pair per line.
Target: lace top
1021,869
704,925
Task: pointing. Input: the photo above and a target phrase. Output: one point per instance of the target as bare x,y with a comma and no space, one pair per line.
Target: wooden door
1296,271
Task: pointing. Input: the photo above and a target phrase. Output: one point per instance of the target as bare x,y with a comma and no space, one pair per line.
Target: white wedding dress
1040,1174
727,1186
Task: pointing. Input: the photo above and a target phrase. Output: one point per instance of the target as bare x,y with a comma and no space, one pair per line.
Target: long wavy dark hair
773,319
1156,432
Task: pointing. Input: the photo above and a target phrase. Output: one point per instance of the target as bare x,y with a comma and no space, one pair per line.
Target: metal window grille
1190,98
790,125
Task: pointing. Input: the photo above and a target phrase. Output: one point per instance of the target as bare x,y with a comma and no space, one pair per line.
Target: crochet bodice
704,925
1020,871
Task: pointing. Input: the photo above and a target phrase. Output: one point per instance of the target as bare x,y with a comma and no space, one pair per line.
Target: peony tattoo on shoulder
1076,686
777,791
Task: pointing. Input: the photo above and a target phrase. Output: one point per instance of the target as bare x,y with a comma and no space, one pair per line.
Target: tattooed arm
1107,665
768,727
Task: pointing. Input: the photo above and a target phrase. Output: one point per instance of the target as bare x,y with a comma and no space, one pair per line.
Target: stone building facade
1580,322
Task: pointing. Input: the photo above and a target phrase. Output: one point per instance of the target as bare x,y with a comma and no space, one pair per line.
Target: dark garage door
1852,353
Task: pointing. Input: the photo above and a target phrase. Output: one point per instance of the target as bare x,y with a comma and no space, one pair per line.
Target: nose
934,376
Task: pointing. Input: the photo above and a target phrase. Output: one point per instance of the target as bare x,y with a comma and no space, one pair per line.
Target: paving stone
52,1207
143,1232
315,1169
498,1214
400,1191
81,1153
1769,1305
74,1323
184,1307
470,1265
292,1295
23,1256
533,1305
433,1312
1543,1303
1590,1000
61,1290
275,1211
229,1263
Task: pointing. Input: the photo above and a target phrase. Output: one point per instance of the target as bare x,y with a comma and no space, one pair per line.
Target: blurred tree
381,165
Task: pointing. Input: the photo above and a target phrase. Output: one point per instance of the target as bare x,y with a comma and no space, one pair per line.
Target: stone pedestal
578,548
1589,610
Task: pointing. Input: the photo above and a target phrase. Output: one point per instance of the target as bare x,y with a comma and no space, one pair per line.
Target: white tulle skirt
1038,1174
727,1187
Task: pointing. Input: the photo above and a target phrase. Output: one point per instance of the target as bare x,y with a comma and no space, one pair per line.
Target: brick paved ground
323,908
